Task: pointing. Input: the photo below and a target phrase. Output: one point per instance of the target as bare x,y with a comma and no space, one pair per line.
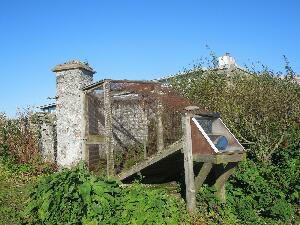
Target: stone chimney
70,78
226,62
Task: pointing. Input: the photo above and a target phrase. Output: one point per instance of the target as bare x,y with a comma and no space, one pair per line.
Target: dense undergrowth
78,197
20,166
19,150
13,195
31,192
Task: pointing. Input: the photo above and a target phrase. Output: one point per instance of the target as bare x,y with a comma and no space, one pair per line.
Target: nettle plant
78,197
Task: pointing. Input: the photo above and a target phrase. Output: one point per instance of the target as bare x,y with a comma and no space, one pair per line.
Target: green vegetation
263,111
20,166
13,195
77,197
128,157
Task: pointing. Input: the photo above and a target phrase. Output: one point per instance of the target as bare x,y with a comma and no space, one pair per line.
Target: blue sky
135,39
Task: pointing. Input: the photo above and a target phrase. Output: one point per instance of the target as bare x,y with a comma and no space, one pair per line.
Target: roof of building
100,82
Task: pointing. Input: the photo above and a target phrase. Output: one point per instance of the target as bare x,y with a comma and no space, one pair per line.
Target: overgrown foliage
127,157
77,197
13,195
263,111
20,162
19,150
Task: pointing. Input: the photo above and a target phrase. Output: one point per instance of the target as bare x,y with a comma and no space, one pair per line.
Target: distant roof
73,64
51,105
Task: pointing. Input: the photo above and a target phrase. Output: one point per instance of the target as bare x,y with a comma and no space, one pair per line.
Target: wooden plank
145,123
108,129
93,86
151,160
204,158
226,158
95,139
203,173
220,158
159,124
84,127
221,180
188,163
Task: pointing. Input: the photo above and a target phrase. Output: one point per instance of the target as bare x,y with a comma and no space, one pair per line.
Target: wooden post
159,122
188,163
203,173
160,127
85,127
145,124
221,180
108,129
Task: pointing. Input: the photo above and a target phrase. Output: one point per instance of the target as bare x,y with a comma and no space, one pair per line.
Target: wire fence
145,118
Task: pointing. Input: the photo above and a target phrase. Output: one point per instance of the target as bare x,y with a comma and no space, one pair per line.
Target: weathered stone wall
69,112
48,140
129,123
45,127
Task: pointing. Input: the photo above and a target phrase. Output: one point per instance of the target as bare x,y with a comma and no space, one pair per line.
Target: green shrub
140,205
72,197
19,151
262,189
17,139
13,195
263,112
260,108
77,197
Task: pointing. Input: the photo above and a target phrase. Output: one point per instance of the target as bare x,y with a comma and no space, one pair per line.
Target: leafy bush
72,197
140,205
77,197
13,195
17,139
19,150
263,111
260,108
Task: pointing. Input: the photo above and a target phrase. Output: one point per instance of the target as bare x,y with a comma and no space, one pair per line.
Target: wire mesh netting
145,118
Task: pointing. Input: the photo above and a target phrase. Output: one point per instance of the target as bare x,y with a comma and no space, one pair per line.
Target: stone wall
129,125
48,139
45,126
129,122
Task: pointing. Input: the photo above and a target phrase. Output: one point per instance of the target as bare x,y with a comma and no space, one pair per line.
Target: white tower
226,62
